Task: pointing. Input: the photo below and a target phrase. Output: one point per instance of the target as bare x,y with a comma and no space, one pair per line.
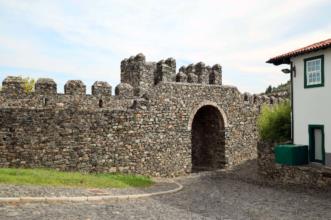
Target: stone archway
208,138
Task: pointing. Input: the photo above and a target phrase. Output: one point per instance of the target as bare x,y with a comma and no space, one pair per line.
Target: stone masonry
159,123
310,175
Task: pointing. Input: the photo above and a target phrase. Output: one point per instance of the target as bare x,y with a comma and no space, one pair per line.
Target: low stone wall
311,175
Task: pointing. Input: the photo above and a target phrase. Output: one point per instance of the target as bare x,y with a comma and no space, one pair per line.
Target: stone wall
146,128
311,175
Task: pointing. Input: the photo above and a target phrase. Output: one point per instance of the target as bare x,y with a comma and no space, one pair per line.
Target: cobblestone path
208,197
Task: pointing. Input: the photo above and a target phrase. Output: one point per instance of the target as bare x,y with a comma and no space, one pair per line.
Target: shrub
274,122
28,84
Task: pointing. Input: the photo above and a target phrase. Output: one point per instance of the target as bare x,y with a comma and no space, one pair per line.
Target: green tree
274,122
268,90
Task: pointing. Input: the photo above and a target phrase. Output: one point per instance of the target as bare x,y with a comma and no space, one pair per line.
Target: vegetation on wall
274,122
28,84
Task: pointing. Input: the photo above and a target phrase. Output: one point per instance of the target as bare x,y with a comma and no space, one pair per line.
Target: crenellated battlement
200,73
45,95
260,100
143,75
138,78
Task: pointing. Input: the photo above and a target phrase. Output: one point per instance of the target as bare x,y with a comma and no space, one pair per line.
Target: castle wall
148,134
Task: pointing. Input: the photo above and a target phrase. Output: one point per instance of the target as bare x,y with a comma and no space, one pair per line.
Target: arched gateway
208,137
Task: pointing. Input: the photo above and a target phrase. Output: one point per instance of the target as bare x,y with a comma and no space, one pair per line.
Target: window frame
321,57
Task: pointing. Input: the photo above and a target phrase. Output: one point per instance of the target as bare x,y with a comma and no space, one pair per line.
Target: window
314,72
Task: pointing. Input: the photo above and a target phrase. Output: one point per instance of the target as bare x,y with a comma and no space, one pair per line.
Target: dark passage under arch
208,139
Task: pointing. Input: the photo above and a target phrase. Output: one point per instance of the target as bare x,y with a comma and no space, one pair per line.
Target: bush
274,123
28,84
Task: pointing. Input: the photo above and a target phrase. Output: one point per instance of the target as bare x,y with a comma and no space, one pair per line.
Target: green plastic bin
290,154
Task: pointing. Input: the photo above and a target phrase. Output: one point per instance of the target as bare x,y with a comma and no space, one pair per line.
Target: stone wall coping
25,199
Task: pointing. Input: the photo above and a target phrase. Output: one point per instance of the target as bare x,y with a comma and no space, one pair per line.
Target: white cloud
241,35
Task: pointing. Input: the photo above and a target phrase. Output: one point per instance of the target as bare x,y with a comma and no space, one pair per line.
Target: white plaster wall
312,105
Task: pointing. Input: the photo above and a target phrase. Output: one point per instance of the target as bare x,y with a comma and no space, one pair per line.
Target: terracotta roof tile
285,58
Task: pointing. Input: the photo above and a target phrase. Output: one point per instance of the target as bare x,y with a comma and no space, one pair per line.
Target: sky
86,40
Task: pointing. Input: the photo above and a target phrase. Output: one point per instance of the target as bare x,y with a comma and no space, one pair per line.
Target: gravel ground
35,191
203,197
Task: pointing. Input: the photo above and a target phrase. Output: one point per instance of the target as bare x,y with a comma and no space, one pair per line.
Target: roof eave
286,58
279,61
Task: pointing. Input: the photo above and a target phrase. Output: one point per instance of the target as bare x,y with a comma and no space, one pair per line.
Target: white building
311,98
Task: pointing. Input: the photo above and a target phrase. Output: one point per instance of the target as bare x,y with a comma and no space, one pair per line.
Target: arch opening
208,139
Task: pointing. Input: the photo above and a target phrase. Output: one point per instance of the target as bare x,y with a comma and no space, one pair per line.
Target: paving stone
203,197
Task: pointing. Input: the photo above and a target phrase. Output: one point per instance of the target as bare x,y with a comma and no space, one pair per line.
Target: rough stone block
13,85
45,86
247,98
181,77
165,70
75,87
273,100
202,72
140,57
256,99
182,69
139,91
124,90
101,88
190,69
138,73
265,99
192,78
171,62
215,76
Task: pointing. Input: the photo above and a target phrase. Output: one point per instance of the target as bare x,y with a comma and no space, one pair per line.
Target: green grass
48,177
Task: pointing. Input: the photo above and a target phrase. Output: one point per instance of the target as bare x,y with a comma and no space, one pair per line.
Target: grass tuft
49,177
